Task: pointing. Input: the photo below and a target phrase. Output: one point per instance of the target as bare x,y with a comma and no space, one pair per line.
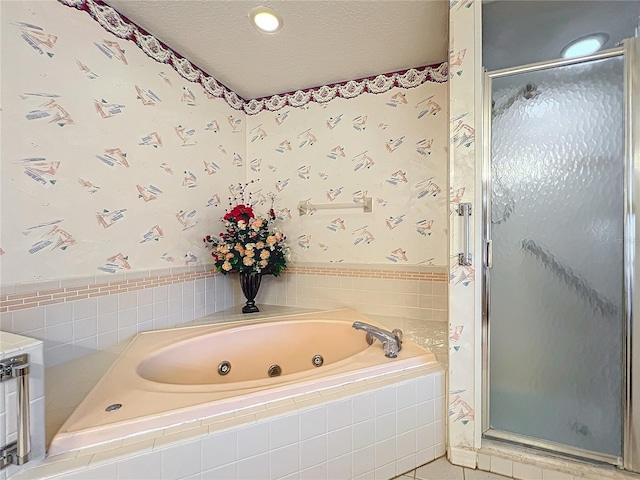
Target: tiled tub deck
367,429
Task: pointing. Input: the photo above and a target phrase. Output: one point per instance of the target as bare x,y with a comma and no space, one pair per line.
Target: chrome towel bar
305,206
18,452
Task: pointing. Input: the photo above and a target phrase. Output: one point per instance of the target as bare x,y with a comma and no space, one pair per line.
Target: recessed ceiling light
585,45
265,19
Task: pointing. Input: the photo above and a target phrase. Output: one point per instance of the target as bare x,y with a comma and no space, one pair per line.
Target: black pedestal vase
250,283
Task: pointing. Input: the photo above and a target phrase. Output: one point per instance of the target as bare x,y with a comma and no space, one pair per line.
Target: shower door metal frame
630,458
631,343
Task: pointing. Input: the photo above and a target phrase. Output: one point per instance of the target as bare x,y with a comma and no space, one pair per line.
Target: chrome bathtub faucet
391,341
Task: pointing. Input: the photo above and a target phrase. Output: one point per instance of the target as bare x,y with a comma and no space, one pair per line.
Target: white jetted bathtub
169,377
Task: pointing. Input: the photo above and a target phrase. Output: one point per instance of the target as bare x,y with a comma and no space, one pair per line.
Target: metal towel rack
305,206
18,452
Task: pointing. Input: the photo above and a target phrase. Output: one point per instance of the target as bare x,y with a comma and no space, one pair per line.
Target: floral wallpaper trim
410,78
122,27
39,298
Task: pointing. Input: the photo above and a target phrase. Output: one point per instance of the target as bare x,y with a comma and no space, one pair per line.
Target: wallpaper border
120,26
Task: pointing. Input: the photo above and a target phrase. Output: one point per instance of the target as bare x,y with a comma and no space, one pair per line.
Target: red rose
240,212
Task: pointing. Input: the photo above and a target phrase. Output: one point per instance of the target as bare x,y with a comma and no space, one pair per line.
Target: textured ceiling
321,42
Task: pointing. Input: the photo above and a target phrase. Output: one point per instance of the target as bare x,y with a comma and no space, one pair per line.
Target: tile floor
441,469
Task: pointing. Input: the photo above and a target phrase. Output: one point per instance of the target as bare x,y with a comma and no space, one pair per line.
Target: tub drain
317,360
274,370
113,407
224,367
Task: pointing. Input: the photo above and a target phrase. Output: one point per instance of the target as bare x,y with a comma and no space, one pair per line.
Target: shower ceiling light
585,45
265,19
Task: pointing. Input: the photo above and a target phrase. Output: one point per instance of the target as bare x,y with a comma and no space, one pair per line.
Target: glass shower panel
556,285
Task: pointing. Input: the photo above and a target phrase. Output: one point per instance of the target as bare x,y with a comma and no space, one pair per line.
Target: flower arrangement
249,243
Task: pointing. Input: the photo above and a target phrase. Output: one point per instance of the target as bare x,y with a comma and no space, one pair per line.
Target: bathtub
172,377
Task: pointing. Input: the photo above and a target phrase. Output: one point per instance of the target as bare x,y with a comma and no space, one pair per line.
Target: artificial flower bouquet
249,243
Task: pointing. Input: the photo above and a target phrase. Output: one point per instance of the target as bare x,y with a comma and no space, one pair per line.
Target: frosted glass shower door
556,284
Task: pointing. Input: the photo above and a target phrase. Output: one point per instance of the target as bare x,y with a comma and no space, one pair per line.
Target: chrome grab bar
305,207
464,210
18,452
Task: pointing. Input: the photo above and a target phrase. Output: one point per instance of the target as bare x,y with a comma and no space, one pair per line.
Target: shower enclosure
560,225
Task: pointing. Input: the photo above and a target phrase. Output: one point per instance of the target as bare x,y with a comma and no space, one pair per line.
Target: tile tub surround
11,345
77,317
169,377
68,384
399,291
367,429
64,392
430,334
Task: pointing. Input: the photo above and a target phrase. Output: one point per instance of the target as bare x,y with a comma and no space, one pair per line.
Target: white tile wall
416,299
73,329
77,328
352,437
331,438
12,345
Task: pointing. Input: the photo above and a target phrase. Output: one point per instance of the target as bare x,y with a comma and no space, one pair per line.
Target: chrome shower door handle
464,210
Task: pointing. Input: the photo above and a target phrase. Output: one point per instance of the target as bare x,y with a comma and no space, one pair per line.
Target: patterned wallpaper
464,61
114,162
111,161
390,147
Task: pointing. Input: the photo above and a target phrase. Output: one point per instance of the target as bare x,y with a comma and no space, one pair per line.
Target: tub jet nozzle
224,367
274,370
